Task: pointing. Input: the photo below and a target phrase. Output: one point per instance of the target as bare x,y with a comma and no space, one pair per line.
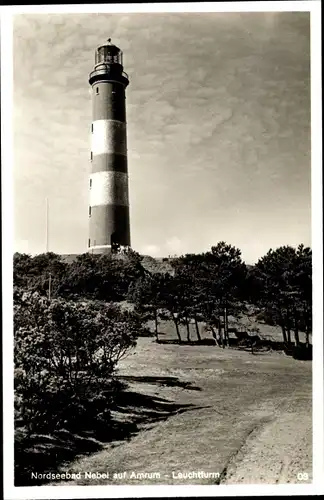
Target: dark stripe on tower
108,101
109,221
108,162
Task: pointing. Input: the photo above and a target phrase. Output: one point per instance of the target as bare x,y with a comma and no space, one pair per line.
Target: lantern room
109,54
108,65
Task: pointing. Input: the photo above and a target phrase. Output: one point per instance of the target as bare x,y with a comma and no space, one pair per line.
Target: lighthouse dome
109,54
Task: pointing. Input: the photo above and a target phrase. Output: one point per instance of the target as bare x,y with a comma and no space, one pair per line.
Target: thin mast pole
47,224
47,238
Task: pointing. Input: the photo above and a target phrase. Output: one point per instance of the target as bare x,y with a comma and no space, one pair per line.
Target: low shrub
65,356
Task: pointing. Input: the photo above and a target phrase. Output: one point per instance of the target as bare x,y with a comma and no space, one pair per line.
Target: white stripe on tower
109,136
109,188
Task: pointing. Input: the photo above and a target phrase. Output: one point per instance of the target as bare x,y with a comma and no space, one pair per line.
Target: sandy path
275,452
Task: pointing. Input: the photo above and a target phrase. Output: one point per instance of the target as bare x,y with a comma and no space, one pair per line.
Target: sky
218,129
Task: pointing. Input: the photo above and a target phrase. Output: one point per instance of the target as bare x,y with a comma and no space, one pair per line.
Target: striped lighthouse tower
109,228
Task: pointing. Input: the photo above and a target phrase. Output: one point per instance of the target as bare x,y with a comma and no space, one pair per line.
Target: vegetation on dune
214,288
281,284
217,289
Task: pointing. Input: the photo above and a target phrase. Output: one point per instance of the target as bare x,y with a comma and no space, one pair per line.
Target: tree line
207,288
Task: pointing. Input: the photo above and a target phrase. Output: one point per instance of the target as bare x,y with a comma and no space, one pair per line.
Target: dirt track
277,451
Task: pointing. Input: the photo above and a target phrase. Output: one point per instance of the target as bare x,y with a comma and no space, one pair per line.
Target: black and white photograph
163,265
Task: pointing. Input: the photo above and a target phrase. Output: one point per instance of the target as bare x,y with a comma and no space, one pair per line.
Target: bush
101,277
65,356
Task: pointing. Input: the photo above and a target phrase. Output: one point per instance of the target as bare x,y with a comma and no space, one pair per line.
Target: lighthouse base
108,249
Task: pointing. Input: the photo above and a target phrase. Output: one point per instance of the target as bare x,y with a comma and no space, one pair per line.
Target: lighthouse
109,227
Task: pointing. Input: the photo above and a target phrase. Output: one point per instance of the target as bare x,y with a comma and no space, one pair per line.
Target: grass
197,408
